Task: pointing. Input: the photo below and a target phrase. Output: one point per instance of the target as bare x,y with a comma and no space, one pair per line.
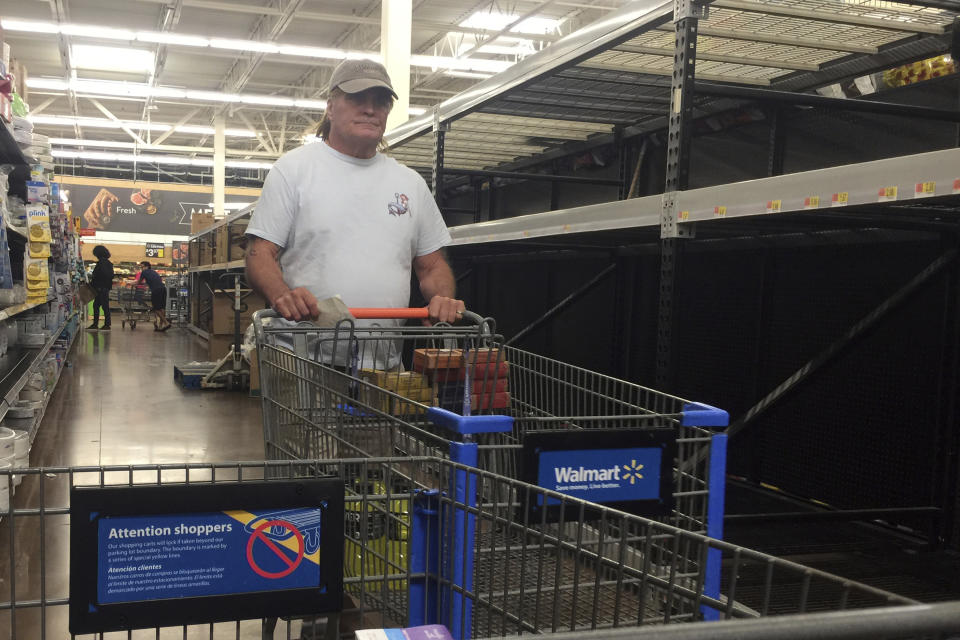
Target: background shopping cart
135,304
481,567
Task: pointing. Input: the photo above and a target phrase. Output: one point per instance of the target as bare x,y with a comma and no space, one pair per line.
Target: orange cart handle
414,313
376,313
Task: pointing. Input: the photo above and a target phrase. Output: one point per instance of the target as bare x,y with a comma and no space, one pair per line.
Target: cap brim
356,86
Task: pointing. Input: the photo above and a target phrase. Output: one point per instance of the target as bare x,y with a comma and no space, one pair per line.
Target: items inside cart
421,543
463,384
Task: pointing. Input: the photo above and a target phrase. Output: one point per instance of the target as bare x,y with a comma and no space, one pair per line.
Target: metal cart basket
424,545
460,392
135,304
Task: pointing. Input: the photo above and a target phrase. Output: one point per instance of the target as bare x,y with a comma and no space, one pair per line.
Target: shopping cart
135,304
463,394
482,567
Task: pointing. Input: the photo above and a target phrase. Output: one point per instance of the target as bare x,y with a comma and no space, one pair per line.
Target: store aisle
118,404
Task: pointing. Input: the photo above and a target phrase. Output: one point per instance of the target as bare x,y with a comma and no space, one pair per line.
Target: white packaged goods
23,409
23,138
33,395
6,463
31,324
22,124
7,447
21,460
9,422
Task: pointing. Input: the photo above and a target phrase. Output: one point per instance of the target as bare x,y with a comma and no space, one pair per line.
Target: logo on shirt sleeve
400,206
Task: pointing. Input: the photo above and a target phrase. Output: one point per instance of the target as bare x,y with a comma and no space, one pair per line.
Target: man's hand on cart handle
296,304
443,309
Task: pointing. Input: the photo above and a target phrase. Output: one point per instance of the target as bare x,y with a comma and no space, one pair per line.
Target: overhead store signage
229,551
630,470
155,250
128,207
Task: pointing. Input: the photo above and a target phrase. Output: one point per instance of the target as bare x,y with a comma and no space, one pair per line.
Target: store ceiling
563,95
62,66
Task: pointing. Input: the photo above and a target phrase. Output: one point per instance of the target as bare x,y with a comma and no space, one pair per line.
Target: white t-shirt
348,226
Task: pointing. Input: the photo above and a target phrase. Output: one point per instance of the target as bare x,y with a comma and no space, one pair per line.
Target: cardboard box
222,313
489,371
231,242
426,360
205,256
200,221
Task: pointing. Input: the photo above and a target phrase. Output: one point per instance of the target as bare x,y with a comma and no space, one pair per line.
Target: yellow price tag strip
925,189
684,216
720,212
811,202
886,194
774,206
839,199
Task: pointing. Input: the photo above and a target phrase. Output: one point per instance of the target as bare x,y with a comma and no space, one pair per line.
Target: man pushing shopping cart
340,218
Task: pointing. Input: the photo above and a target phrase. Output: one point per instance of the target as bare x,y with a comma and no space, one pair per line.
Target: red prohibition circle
291,564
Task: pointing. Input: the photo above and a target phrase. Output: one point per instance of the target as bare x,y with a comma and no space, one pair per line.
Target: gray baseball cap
354,76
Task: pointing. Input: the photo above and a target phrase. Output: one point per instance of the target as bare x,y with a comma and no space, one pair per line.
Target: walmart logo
633,471
582,474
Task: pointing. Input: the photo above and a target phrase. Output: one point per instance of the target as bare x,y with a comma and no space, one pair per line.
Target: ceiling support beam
123,126
179,123
169,19
266,132
37,110
283,132
60,14
263,141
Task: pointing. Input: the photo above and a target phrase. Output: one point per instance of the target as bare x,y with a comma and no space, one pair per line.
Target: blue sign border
88,505
661,438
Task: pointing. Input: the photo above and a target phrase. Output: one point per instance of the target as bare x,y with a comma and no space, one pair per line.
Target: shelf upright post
439,133
623,162
778,141
686,16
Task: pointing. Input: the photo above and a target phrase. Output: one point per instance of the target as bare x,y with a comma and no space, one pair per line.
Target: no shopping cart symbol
261,546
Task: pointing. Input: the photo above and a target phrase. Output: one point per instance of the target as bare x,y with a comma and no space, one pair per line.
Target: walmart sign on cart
628,470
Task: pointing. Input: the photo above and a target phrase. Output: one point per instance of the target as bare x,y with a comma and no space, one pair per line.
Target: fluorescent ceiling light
140,90
155,159
468,74
157,37
165,37
94,31
115,144
88,56
103,123
31,26
462,64
312,52
110,144
244,45
496,21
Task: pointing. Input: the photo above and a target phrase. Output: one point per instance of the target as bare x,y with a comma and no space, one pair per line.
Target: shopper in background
339,218
158,295
102,283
